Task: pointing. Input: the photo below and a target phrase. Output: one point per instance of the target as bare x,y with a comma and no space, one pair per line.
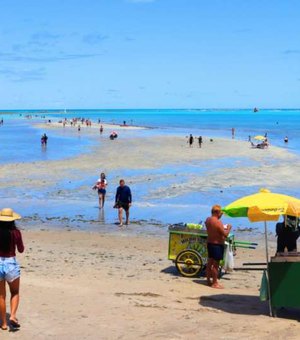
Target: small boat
255,109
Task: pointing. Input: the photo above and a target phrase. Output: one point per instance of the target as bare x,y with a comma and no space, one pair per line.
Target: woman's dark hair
5,235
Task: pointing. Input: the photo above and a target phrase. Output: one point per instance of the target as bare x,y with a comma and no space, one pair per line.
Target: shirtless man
216,236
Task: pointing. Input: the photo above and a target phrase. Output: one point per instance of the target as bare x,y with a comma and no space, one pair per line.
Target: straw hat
8,215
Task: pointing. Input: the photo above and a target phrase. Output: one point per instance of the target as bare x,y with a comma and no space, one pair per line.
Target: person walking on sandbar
101,186
123,201
216,236
200,140
191,140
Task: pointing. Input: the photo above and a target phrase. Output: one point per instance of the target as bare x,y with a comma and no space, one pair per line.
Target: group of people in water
123,197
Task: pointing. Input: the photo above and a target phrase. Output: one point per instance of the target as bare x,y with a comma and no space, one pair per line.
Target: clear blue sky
149,54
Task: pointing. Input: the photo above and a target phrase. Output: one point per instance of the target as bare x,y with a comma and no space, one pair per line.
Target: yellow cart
187,248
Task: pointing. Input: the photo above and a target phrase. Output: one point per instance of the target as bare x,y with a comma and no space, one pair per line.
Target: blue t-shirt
123,194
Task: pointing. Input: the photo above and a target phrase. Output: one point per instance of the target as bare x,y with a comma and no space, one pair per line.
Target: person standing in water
101,186
232,133
10,240
44,139
123,201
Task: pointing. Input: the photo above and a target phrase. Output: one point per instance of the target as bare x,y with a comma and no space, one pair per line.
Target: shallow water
72,204
21,142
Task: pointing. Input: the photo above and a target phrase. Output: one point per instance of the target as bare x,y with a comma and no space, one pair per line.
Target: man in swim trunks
216,236
123,200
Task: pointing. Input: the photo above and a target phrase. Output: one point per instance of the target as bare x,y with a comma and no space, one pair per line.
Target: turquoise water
215,123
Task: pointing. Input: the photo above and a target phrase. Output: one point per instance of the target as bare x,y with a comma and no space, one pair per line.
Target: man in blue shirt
123,200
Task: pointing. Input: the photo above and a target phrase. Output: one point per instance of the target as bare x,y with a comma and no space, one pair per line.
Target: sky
121,54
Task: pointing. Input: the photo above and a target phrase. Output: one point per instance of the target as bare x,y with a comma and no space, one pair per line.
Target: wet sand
79,285
170,181
269,167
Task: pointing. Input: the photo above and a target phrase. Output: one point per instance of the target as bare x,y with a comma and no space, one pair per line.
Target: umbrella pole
267,260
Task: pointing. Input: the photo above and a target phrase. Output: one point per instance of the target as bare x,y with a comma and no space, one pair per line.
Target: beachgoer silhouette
200,141
191,140
44,139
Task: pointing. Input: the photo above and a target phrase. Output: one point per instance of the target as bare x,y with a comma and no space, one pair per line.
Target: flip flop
15,324
4,328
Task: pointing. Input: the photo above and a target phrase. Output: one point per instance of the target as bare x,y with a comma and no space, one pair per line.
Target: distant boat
255,109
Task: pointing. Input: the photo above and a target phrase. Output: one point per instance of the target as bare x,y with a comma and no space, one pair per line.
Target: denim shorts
9,269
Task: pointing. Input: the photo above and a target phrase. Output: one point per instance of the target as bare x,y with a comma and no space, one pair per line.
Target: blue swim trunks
215,251
9,269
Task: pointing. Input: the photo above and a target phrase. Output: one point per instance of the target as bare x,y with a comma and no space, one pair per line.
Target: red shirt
16,241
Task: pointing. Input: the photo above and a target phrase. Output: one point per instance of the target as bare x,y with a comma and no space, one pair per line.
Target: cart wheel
189,263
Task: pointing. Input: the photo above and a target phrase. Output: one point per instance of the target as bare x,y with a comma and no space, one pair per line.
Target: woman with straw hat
10,239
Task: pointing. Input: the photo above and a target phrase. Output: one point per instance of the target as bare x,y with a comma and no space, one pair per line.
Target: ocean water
21,143
276,123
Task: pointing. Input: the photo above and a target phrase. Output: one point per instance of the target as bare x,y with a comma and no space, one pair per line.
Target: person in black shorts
123,201
216,236
215,251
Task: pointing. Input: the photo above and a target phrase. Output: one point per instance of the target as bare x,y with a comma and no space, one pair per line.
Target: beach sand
79,285
106,126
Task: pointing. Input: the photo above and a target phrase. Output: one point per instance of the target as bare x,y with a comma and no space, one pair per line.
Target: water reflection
101,216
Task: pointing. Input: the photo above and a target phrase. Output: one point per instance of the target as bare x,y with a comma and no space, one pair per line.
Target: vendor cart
284,276
280,281
187,248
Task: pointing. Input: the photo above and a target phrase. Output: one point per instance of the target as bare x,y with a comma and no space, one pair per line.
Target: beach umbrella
259,137
264,206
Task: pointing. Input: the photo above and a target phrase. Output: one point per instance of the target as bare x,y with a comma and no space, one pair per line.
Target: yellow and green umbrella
259,137
264,206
